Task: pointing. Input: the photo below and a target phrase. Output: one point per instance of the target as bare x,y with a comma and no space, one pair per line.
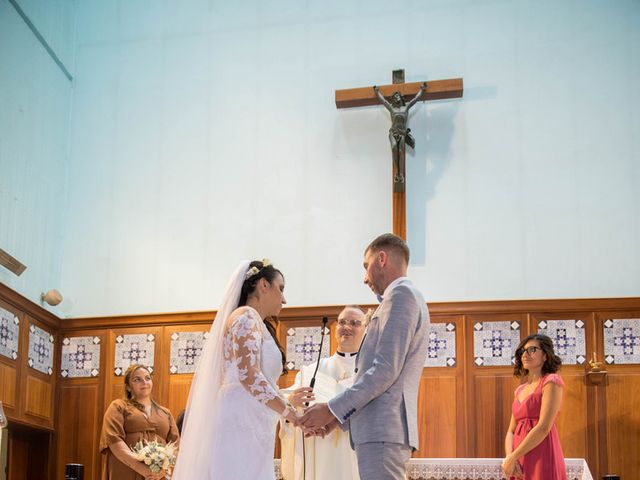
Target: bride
234,403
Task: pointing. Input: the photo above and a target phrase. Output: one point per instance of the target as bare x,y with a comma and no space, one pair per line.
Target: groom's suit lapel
371,335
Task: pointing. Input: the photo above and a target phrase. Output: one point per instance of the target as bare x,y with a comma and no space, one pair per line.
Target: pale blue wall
204,132
35,105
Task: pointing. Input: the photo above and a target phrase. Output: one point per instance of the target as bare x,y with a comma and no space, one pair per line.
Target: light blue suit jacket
381,406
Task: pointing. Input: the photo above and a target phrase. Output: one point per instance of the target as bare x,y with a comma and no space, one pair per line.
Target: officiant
329,458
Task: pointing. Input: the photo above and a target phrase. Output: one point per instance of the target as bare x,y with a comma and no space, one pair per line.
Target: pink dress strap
554,378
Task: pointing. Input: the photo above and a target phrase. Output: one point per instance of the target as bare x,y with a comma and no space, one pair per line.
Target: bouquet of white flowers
156,455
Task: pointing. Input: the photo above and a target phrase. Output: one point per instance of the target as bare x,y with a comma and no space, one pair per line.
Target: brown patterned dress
127,423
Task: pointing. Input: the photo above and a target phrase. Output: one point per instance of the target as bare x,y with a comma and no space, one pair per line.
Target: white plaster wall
205,132
35,104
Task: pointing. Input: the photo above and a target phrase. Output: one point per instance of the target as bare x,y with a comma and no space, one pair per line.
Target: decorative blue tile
303,345
622,340
40,350
442,345
186,348
80,357
568,339
494,343
9,333
130,349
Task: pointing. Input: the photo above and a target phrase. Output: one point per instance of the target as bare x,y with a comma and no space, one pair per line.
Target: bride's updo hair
257,270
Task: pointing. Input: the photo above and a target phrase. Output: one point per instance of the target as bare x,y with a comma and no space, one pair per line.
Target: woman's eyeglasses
352,323
529,351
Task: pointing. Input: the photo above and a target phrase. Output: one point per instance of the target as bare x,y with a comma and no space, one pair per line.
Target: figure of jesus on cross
399,133
398,98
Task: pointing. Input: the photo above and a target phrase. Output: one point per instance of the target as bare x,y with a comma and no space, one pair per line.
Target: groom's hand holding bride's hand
317,417
322,432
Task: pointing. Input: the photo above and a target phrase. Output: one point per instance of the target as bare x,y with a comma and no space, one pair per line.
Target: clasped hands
316,420
511,467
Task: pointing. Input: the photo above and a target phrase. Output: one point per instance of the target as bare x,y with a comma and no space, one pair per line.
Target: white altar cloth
471,469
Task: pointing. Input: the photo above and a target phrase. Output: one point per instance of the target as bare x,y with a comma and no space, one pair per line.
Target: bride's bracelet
288,410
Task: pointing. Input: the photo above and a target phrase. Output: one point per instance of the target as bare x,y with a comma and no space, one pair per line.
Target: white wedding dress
244,426
230,423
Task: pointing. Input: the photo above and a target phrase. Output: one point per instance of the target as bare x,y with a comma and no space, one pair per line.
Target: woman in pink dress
532,443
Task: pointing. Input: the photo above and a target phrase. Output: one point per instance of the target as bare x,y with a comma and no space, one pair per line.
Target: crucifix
398,98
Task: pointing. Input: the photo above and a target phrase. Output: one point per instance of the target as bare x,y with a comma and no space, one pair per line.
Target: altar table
471,469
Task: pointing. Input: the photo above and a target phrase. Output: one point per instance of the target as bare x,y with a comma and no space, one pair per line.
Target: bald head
350,329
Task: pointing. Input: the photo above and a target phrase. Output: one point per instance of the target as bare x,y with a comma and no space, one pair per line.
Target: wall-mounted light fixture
53,297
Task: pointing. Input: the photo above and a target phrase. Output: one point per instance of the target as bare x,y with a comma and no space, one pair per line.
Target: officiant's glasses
352,323
531,351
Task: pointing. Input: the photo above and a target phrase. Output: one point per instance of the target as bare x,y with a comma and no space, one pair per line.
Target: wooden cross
366,96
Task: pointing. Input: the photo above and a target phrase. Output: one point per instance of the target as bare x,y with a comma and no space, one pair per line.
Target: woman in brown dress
129,420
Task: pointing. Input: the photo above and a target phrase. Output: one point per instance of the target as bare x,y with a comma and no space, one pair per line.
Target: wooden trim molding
29,307
89,323
534,306
332,311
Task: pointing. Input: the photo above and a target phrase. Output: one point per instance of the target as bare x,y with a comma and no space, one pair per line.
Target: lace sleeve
245,337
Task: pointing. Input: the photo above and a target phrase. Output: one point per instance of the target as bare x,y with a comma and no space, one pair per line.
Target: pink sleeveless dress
546,461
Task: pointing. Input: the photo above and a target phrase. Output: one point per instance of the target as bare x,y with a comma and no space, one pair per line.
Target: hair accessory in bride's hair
251,272
255,270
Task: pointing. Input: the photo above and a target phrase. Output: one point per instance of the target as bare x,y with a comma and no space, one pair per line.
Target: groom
380,409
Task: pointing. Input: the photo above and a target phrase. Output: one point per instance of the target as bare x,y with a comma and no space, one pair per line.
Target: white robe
329,458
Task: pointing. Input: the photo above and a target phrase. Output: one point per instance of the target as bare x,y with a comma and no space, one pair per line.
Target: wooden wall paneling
17,455
313,315
441,415
177,385
76,325
483,395
8,379
437,419
10,370
616,422
28,395
161,367
527,306
623,423
38,389
80,409
491,407
437,415
463,444
573,417
596,403
572,420
23,354
79,420
114,384
27,457
300,317
38,398
489,391
315,320
180,385
28,307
